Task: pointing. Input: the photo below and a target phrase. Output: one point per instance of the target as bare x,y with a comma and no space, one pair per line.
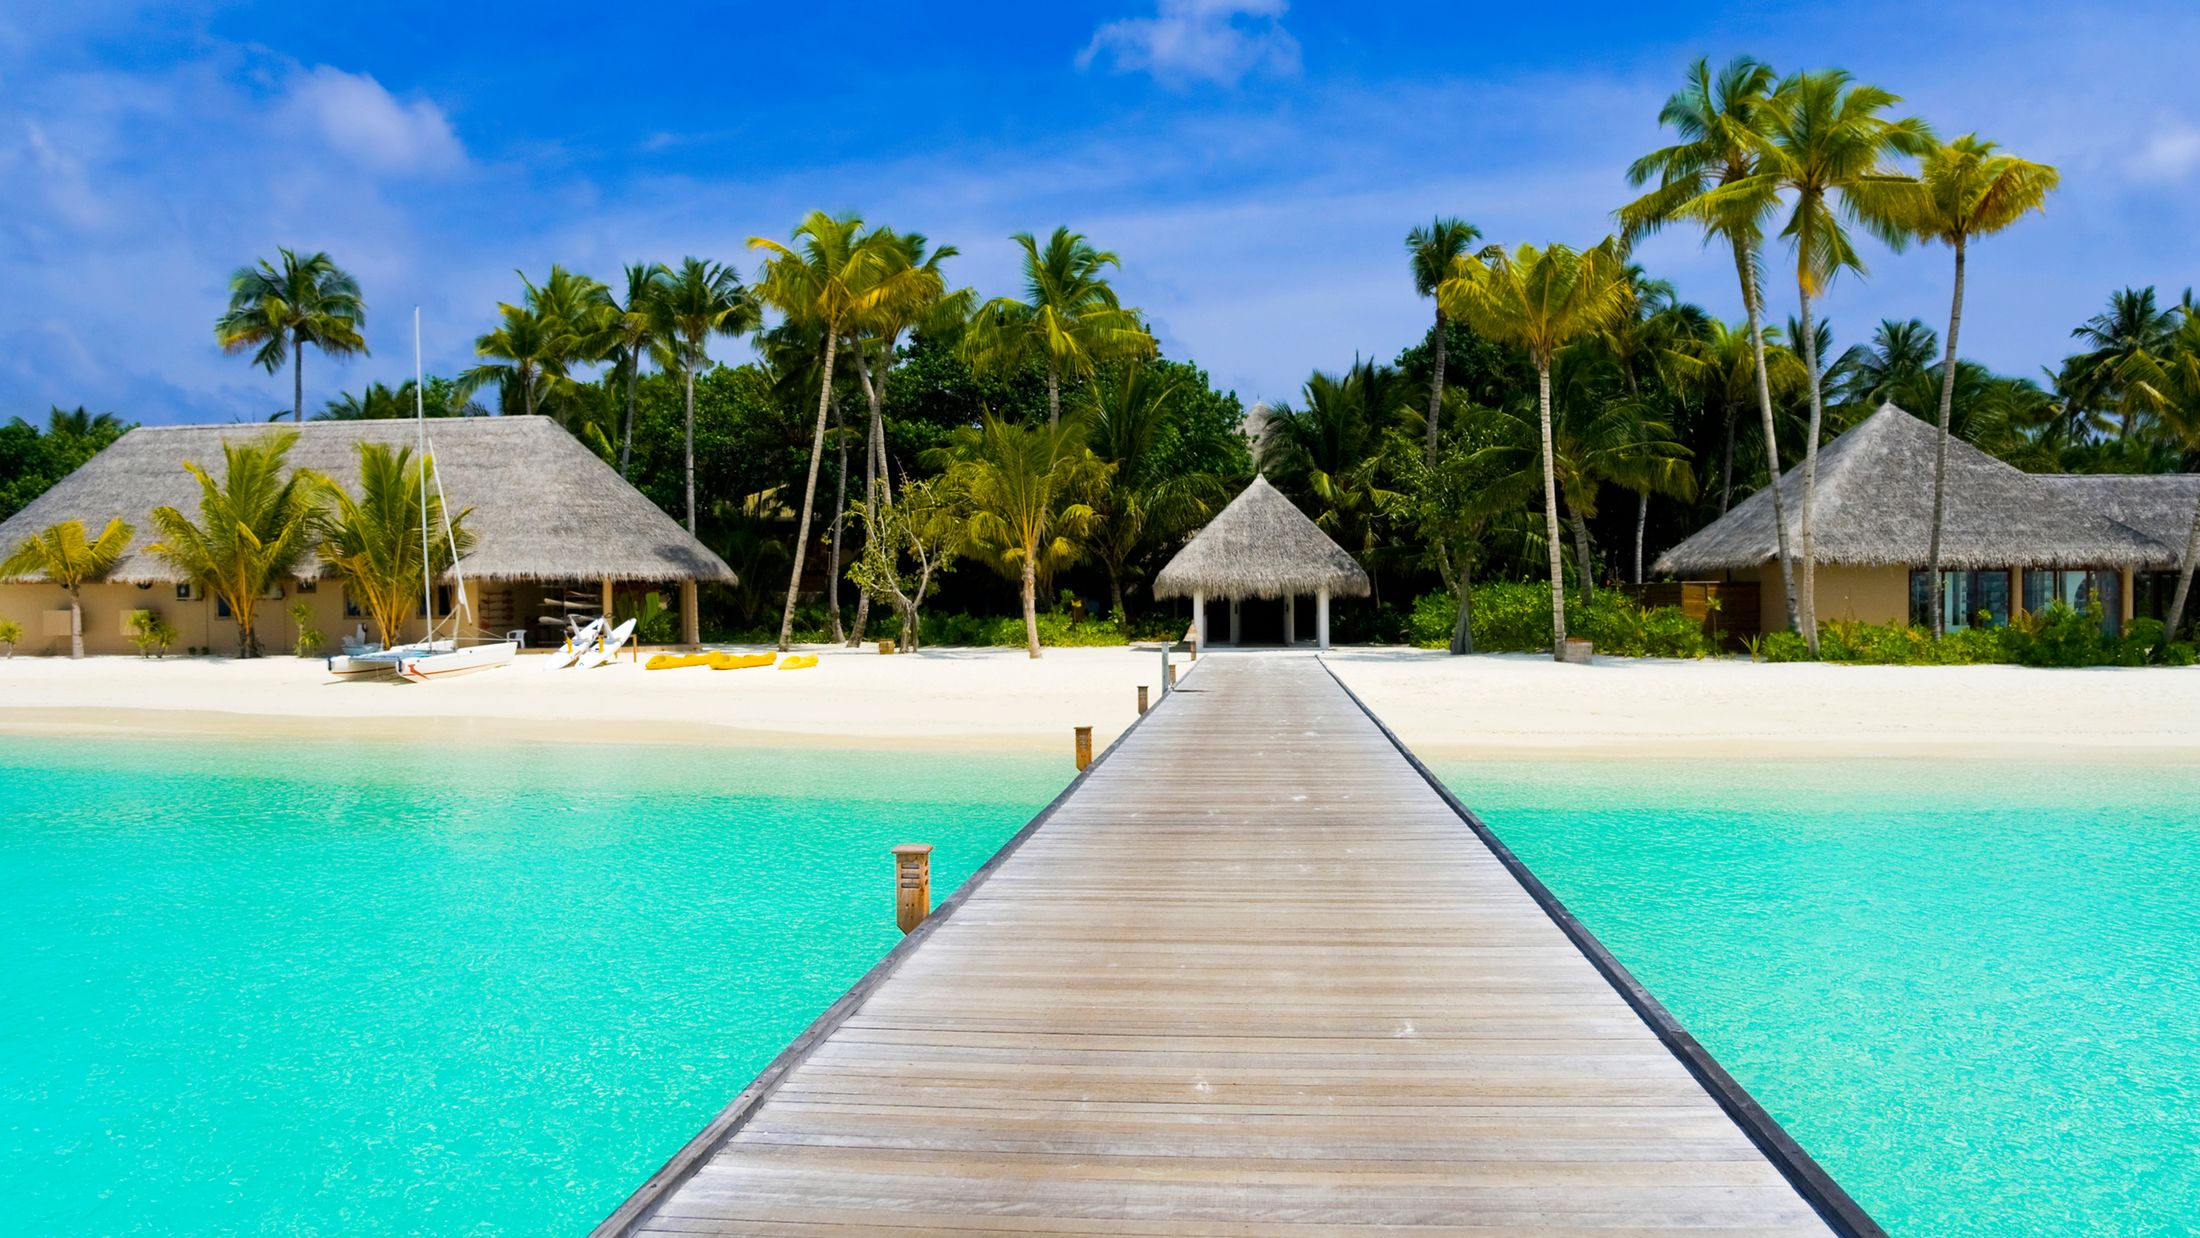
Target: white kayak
605,649
426,667
576,644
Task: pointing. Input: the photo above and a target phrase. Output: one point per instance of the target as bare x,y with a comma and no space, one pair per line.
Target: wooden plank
1254,972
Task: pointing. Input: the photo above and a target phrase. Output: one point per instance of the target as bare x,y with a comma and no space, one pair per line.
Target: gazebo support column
1290,620
1199,618
1321,617
691,623
1234,637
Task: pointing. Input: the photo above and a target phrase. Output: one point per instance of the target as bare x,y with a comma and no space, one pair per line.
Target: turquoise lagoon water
327,989
1972,990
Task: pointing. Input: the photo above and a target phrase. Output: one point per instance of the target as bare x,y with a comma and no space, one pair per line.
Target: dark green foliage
31,460
2060,636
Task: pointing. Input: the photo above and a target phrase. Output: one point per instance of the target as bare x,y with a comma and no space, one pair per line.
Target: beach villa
2011,541
1255,564
553,527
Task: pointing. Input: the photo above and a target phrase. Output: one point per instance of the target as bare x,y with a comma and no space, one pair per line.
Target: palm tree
1069,315
1431,251
1126,419
1722,123
64,556
1970,191
527,354
634,329
1724,378
1871,374
2124,346
372,541
1454,501
925,304
255,524
1829,154
1328,454
81,423
835,274
1541,300
696,302
277,311
1026,495
2179,382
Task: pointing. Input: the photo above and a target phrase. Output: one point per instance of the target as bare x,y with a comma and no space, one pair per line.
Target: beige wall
107,609
1865,594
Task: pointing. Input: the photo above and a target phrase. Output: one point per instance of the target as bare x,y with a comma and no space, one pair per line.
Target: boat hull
466,660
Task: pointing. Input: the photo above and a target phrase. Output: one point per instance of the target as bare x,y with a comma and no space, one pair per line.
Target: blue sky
1255,164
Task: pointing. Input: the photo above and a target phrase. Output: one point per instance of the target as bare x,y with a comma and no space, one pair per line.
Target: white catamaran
432,657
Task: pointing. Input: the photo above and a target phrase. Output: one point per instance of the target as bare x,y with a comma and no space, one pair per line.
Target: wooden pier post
1084,746
1168,676
912,884
1142,700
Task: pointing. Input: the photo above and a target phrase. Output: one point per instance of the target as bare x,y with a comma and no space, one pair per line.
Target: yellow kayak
674,661
800,662
741,661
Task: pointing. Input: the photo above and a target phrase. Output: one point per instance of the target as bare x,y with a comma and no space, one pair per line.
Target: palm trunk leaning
1435,384
2183,591
809,487
1642,518
1938,604
1582,556
1807,582
297,379
1054,396
1462,623
872,437
1551,540
840,514
1031,599
1745,264
688,380
626,440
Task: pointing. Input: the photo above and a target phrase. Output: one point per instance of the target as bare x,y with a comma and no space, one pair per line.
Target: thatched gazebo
1261,547
549,520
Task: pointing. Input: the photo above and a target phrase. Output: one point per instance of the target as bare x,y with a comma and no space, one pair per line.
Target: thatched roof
2157,504
544,506
1875,508
1260,546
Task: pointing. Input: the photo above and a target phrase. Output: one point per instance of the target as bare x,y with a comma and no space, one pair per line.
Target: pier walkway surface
1255,973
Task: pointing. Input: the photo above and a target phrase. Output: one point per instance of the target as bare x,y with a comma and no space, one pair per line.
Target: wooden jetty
1254,973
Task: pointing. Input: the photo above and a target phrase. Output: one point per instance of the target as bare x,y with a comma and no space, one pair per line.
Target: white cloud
356,117
2168,154
1190,41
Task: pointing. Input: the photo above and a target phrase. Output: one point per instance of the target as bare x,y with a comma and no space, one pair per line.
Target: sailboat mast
420,423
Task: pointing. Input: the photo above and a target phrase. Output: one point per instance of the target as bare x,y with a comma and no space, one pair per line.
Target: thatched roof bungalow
549,520
1261,548
2010,539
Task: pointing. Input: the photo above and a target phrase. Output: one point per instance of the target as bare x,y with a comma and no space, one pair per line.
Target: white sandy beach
1000,699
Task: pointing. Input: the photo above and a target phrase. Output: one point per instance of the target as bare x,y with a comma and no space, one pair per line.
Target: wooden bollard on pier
912,884
1141,700
1084,746
1169,675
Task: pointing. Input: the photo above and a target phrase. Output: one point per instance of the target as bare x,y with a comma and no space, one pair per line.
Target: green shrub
309,637
151,634
1007,631
10,633
1785,646
1515,617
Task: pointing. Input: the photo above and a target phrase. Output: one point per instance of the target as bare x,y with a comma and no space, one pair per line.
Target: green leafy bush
1007,631
1515,617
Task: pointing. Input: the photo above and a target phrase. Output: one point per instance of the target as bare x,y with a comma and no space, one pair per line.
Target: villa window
2077,589
352,609
1964,596
2151,594
442,602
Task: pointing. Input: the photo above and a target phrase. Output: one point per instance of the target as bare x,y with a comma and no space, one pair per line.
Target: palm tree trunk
1642,517
297,379
1115,592
1807,585
1745,264
1581,555
688,381
2183,592
1726,466
840,515
1938,619
1435,385
1551,540
76,624
1031,600
872,436
1054,404
626,439
809,488
1462,623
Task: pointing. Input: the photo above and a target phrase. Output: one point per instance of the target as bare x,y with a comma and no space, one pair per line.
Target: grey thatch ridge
544,506
1875,506
1260,546
2157,504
